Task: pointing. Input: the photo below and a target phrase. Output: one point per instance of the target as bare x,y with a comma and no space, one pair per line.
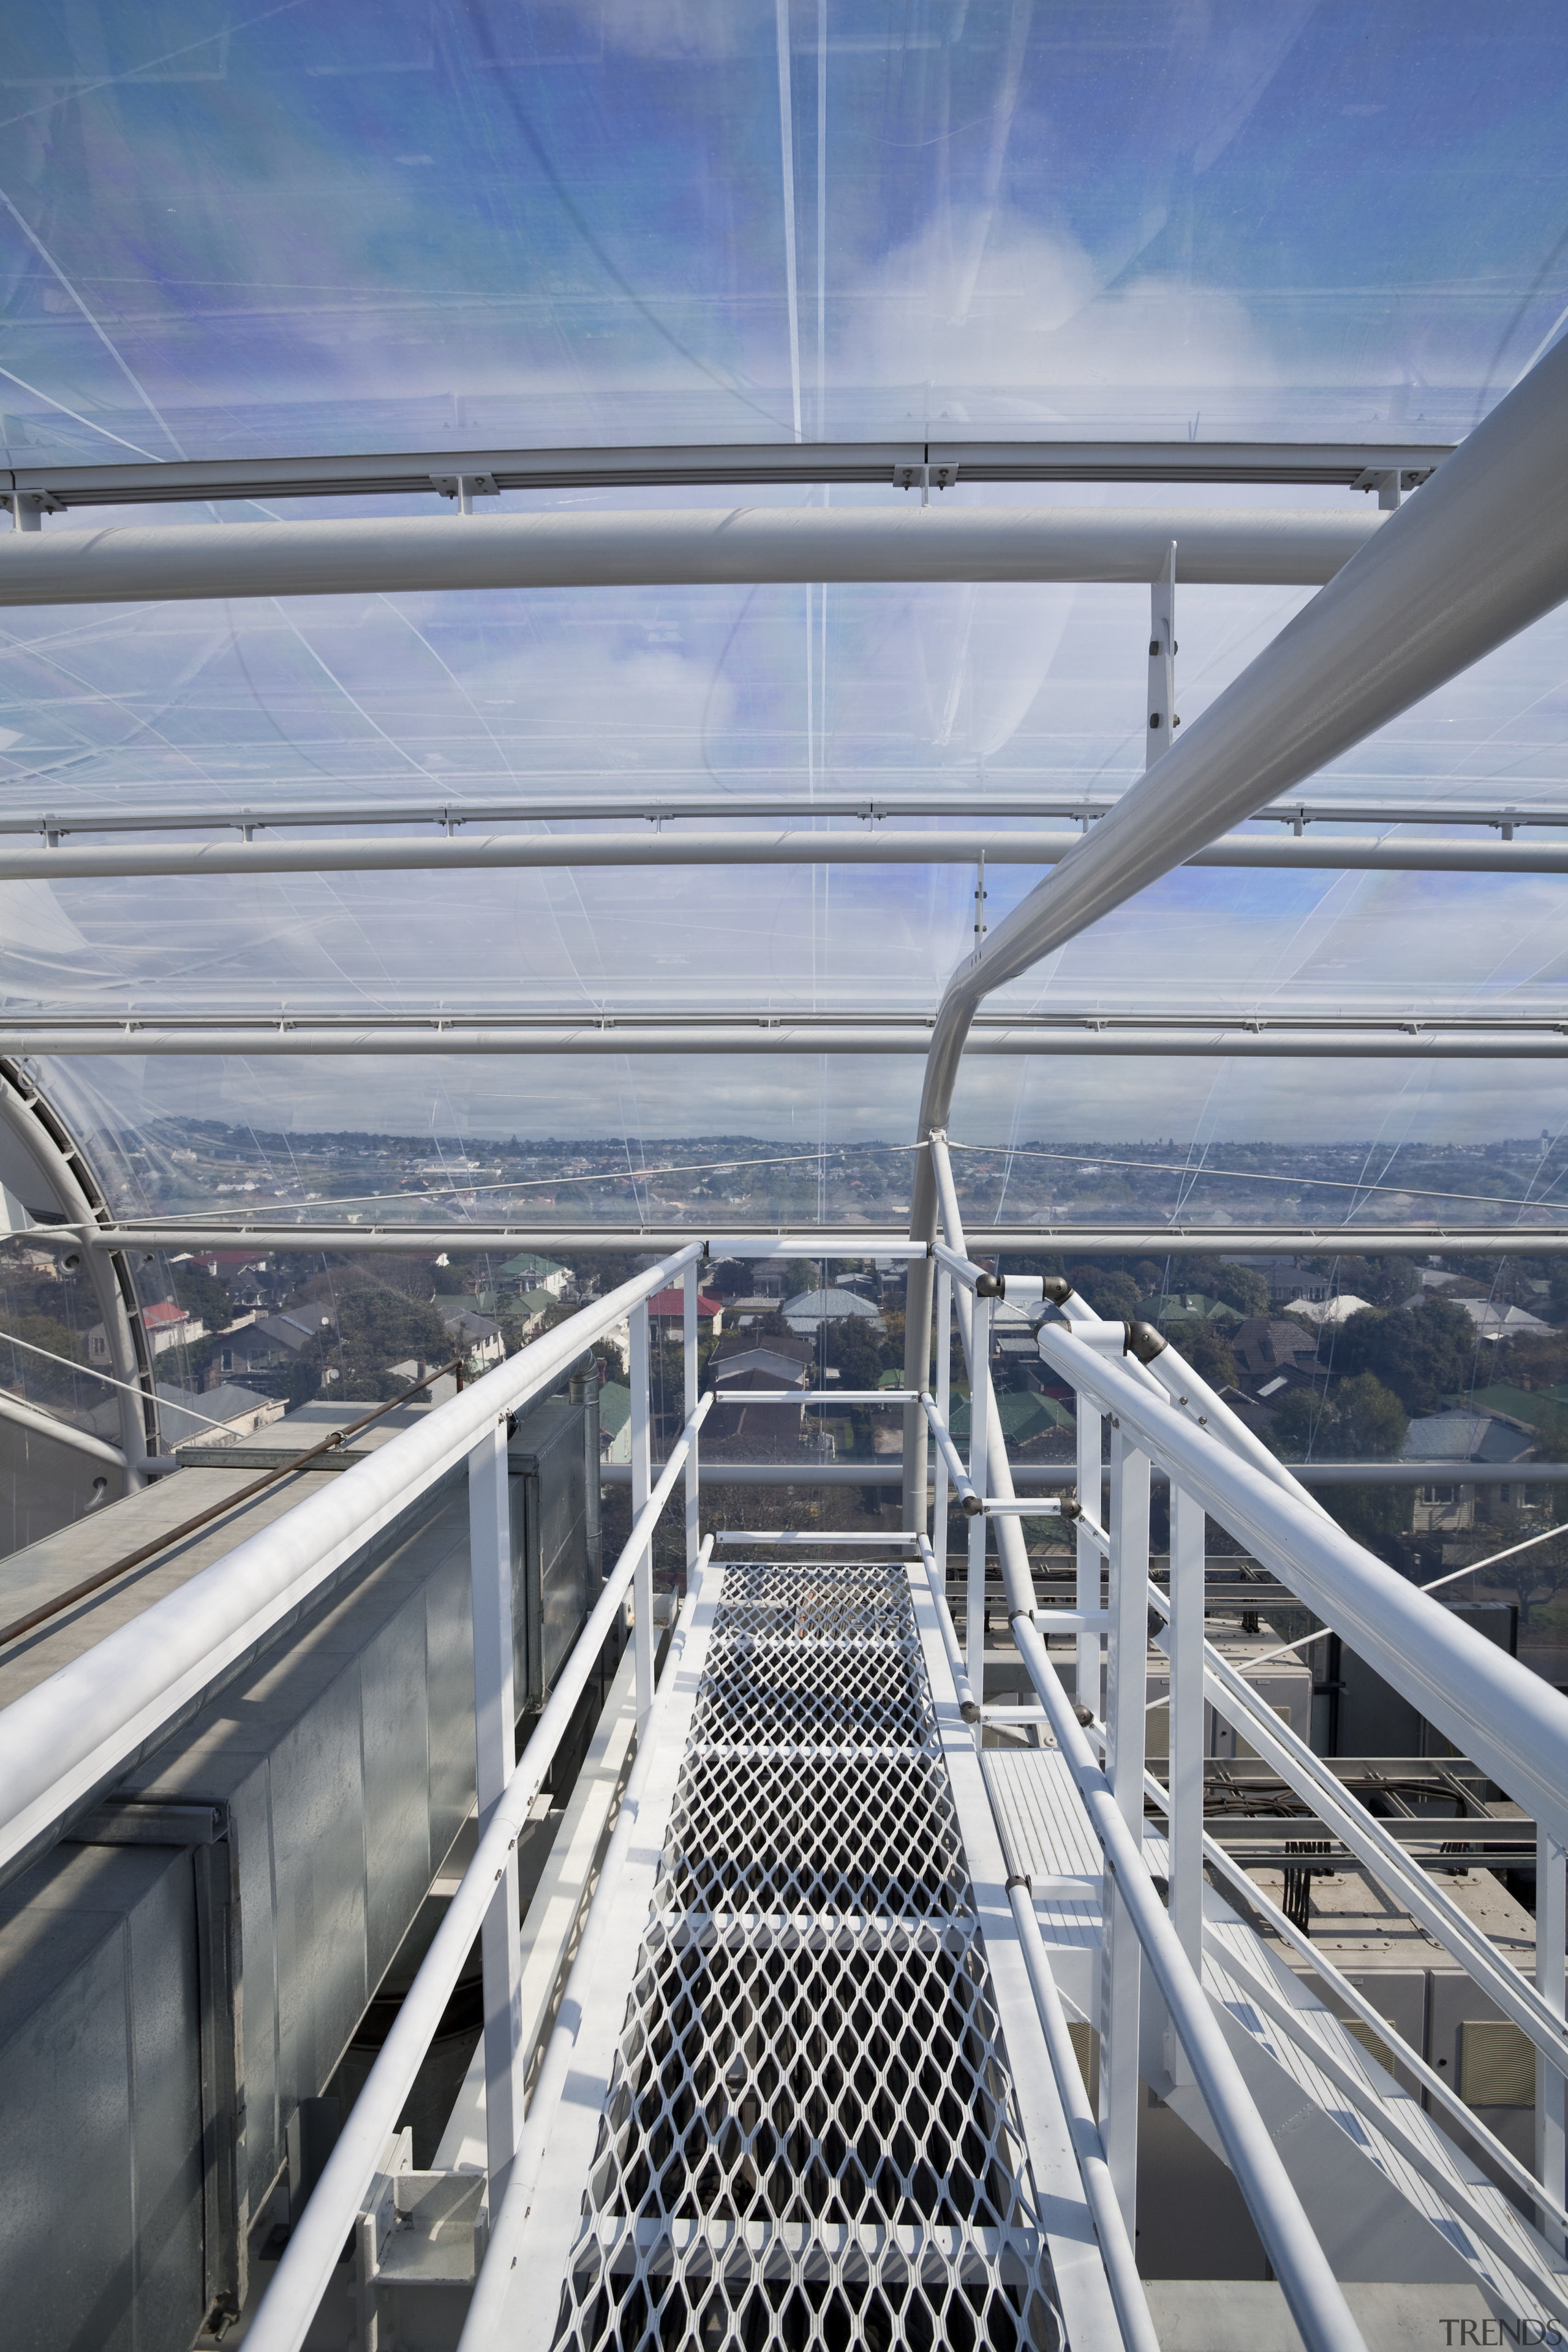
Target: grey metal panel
549,1482
166,2063
395,1748
449,1683
318,1831
94,2149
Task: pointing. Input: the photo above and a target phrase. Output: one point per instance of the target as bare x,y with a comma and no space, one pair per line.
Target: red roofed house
668,1307
165,1326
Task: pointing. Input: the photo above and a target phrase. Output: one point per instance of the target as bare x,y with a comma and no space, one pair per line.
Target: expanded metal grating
810,2138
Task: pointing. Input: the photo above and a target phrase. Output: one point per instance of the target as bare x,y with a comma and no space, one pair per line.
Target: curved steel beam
578,849
23,1415
45,1168
1479,555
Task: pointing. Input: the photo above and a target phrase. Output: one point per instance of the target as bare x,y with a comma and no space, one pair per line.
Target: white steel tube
1316,2302
1481,553
944,1479
486,2310
953,1466
1495,1710
73,1735
1184,1651
1099,2192
1121,2094
642,1465
937,1581
1197,1037
393,555
1089,1440
538,852
287,2307
979,1438
495,1759
16,1410
1551,2090
1191,1394
688,1283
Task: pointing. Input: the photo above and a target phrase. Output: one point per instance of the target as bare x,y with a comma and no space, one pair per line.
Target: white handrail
290,2304
1514,1724
1314,2294
74,1735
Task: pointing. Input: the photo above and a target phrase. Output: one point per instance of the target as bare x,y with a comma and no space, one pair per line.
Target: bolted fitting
971,1507
1144,1342
969,1711
1056,1289
991,1286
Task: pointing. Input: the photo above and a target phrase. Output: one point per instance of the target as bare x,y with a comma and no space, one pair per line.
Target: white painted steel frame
680,547
513,2301
1315,2300
73,1735
1481,553
258,1229
1246,1036
287,2309
1348,465
547,851
757,804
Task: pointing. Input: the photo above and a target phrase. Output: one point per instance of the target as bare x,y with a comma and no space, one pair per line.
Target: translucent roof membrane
421,227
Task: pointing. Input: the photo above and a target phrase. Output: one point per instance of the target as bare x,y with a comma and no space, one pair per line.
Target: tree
1423,1353
202,1294
1241,1286
1209,1353
380,1328
1358,1420
1112,1295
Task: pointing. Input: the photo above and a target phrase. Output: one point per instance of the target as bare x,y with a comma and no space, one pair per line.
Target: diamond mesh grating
809,2137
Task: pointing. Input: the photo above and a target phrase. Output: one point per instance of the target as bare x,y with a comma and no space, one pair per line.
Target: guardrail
1515,1727
486,1901
66,1741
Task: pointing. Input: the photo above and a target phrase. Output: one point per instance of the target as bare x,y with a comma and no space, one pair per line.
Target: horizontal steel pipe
666,804
73,1736
1190,1036
694,547
1052,1475
545,852
268,1228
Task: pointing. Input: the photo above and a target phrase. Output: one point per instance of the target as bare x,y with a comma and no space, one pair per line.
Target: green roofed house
1186,1306
1021,1418
528,1271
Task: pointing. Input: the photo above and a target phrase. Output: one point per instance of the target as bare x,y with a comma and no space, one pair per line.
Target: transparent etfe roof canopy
288,232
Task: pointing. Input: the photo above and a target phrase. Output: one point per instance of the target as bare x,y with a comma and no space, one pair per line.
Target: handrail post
1551,1936
1126,1690
495,1759
1184,1718
642,1471
943,1398
689,1289
979,1478
1089,1428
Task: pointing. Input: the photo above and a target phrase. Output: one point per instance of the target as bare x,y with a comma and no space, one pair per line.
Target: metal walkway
801,2129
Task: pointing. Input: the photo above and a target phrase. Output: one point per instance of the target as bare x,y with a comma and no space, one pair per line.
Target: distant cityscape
191,1167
